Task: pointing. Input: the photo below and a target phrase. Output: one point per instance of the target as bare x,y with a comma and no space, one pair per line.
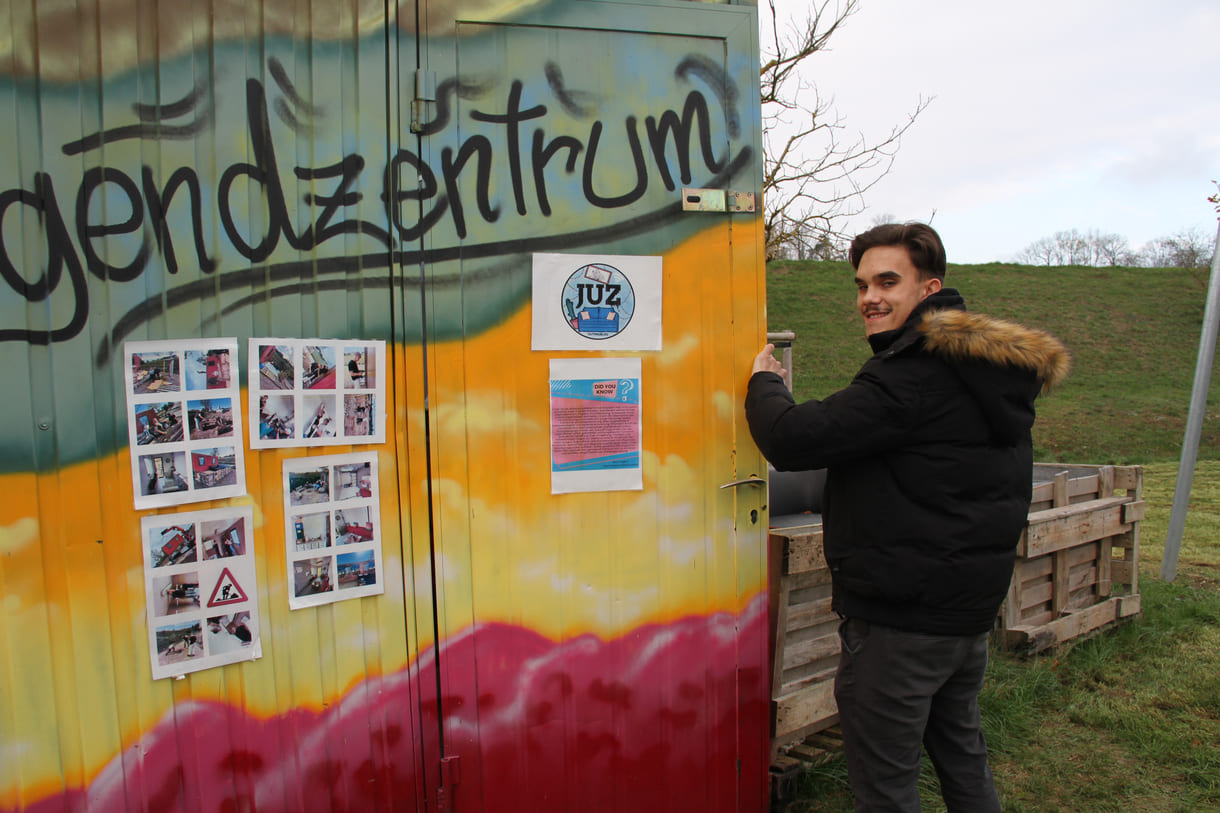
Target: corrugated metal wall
250,170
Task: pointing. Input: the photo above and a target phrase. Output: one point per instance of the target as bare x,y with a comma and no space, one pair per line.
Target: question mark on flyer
625,386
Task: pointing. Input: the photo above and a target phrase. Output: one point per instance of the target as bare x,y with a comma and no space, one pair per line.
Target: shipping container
182,180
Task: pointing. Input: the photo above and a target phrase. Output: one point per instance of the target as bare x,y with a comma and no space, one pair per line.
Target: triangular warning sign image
226,591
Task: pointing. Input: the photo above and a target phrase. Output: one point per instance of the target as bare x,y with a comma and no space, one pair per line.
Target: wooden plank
804,553
1037,595
1059,528
1059,597
803,582
1037,518
1128,605
810,614
1082,553
781,624
1084,597
1133,511
1060,489
1010,610
775,601
1105,566
1082,577
1105,481
1032,569
1133,556
784,765
1036,619
808,707
806,731
809,673
1042,492
1036,638
797,530
1128,477
813,649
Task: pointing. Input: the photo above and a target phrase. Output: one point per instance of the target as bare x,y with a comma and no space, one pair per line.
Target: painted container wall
358,170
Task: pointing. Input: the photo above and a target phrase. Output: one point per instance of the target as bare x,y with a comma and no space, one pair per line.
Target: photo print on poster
184,421
316,392
200,589
332,520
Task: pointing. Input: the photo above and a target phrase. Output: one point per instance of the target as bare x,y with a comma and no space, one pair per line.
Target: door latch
716,200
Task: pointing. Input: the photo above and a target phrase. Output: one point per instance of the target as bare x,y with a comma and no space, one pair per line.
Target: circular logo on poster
598,301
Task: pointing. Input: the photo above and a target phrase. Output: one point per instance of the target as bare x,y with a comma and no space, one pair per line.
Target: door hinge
451,776
716,200
425,94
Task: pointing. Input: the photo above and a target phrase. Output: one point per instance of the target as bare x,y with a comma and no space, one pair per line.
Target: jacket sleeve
866,417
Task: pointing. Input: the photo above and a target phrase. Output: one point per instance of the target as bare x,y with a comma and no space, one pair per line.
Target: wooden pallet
1077,564
1077,571
805,639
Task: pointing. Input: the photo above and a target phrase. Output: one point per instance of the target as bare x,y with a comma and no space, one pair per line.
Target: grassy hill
1133,333
1125,719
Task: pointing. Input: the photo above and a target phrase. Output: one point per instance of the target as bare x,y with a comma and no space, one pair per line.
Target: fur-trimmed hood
965,337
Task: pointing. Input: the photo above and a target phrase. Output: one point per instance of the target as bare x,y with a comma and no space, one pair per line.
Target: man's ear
931,286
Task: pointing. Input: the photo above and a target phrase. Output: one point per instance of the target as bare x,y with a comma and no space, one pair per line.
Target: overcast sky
1048,116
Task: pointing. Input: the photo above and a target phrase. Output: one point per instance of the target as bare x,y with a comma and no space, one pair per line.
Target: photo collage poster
332,522
316,392
184,421
201,592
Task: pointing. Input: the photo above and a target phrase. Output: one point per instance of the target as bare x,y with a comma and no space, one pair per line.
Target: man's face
889,287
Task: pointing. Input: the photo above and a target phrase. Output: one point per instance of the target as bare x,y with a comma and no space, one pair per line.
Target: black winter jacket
929,464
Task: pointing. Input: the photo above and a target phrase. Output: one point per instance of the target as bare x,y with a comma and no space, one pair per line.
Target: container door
601,650
194,171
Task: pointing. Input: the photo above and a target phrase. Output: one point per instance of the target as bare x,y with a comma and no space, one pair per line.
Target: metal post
1194,421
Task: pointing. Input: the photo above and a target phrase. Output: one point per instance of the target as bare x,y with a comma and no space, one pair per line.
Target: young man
929,471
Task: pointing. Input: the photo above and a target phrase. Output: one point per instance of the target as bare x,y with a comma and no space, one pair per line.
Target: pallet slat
1057,528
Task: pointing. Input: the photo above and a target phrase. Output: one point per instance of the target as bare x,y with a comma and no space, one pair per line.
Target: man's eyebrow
881,275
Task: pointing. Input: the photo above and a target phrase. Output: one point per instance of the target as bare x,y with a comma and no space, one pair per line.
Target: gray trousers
897,690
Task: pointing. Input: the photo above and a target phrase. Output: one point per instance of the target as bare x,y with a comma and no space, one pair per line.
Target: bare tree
1043,251
1109,249
1189,249
815,174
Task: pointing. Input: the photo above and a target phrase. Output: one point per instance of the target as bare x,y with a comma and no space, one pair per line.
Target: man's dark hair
919,239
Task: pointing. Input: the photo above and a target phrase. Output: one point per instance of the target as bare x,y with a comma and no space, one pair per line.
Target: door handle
748,481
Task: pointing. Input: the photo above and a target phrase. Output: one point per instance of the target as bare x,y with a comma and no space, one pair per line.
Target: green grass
1129,718
1133,333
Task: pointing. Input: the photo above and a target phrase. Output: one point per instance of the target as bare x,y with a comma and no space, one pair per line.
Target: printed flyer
201,591
333,527
315,392
595,425
184,421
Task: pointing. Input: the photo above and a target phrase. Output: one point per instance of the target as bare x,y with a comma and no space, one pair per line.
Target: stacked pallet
1077,571
806,651
1078,559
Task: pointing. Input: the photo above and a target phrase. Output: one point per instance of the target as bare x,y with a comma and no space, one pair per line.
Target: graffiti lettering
119,241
